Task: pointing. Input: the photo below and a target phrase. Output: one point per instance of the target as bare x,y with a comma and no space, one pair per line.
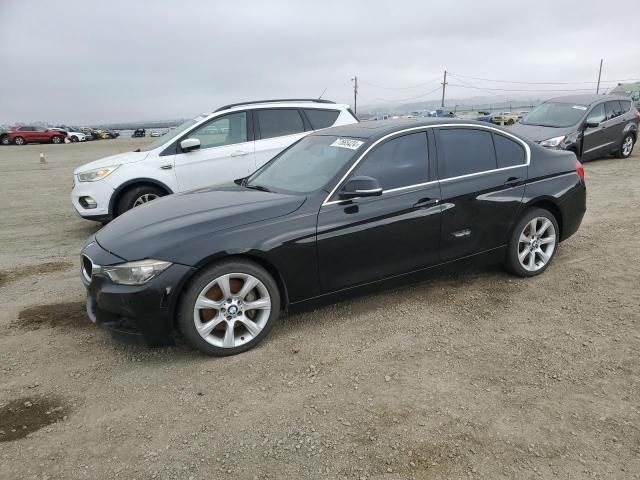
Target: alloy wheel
627,146
536,244
232,310
55,140
19,141
142,199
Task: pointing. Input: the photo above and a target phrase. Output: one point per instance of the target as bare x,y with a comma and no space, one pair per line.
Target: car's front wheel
19,141
138,195
229,308
626,147
533,243
74,139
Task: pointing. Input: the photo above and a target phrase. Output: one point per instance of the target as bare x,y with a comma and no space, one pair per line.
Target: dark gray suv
589,125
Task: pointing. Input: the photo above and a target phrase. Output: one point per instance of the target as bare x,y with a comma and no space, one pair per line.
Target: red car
24,135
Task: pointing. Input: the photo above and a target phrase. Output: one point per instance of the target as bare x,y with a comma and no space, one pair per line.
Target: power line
402,99
399,88
523,89
542,83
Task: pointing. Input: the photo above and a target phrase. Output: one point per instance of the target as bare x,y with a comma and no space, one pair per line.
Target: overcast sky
86,62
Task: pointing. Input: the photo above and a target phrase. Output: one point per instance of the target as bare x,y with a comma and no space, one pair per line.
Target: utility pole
355,94
444,86
599,74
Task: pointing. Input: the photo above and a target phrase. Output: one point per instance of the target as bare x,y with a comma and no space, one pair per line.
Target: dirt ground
478,375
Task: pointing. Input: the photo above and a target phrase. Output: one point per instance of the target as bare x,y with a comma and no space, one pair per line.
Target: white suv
213,148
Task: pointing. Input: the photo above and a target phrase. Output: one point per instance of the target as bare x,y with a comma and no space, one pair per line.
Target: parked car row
284,204
22,135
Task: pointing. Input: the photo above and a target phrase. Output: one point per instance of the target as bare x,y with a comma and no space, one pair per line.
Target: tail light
637,115
580,170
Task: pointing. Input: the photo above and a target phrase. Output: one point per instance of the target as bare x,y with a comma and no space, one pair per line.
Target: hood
153,229
119,159
539,133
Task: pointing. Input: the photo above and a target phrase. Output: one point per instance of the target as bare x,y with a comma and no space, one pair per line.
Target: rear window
279,122
626,105
509,153
465,151
321,118
613,109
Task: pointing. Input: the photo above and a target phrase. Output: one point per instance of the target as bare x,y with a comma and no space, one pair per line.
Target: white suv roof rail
281,100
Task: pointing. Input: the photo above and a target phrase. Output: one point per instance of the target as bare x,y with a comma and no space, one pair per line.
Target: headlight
95,175
553,142
133,273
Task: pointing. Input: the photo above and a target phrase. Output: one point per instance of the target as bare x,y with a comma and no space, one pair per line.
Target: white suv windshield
307,165
171,134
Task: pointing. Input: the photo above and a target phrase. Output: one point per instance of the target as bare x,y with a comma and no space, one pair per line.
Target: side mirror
361,186
589,124
189,144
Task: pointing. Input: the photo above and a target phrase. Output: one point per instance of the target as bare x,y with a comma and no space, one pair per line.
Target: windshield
306,166
171,134
555,115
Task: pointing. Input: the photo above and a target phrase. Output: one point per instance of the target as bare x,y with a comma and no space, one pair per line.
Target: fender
631,127
128,183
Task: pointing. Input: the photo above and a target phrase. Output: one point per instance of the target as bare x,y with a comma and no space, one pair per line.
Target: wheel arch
136,182
551,206
253,257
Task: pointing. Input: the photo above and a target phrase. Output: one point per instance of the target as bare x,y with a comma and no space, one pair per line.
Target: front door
594,140
225,153
482,175
368,239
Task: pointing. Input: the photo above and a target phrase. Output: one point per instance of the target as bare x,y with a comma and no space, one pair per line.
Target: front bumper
139,314
100,192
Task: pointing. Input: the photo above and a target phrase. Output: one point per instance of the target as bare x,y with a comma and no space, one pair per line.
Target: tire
4,140
136,196
205,315
626,146
19,141
511,121
73,139
523,245
56,140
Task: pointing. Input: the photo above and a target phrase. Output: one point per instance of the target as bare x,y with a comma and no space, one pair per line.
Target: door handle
512,181
426,202
239,153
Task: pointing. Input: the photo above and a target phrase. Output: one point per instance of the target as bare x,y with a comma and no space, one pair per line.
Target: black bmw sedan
340,211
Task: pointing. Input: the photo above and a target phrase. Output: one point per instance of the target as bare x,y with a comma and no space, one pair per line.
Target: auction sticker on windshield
349,143
580,107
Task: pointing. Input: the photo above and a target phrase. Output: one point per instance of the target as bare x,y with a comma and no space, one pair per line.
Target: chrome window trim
424,128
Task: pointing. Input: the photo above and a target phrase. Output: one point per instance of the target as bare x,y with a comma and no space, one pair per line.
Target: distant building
629,90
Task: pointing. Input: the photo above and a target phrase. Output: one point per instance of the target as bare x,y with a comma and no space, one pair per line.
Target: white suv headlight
133,273
96,174
553,142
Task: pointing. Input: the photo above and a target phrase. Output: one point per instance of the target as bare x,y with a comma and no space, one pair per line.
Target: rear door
368,239
225,153
276,129
482,174
614,123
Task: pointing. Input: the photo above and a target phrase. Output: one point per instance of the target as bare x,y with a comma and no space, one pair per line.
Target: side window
398,162
465,151
321,118
225,130
625,105
509,153
597,114
279,122
613,109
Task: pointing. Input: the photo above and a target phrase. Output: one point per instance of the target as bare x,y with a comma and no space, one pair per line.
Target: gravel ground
476,375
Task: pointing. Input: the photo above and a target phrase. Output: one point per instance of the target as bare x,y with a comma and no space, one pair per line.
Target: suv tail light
637,115
580,170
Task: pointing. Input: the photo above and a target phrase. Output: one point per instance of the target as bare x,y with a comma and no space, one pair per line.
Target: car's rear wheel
533,243
626,147
4,140
19,141
57,140
136,196
229,308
